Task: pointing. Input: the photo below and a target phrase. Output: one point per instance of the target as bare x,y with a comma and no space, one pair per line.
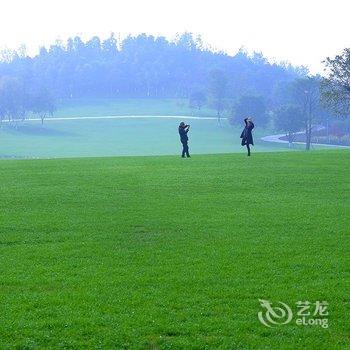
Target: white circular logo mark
274,315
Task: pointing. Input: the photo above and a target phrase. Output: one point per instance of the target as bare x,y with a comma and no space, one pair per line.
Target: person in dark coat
246,135
183,130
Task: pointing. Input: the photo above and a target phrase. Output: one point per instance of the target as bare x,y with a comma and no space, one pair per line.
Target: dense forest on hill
142,66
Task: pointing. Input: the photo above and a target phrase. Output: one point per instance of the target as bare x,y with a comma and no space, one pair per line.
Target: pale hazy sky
303,32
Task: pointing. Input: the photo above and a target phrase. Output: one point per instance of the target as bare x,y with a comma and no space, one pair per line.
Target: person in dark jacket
183,130
246,135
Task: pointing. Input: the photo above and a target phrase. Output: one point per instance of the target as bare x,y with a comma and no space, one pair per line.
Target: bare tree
218,87
306,93
42,103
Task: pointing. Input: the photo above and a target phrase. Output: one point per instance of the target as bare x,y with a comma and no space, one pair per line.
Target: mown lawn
170,253
121,137
129,106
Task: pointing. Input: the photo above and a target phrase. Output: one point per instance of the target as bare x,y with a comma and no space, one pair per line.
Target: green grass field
123,137
129,106
169,253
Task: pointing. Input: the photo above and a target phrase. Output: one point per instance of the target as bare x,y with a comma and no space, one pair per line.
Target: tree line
142,66
16,101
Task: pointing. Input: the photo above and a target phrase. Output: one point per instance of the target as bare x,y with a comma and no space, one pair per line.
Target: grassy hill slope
123,137
163,252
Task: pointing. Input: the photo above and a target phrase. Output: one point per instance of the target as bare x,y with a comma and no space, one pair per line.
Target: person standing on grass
183,130
246,135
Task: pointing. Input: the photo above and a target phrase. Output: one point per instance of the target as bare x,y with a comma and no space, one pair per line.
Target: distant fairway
123,137
169,253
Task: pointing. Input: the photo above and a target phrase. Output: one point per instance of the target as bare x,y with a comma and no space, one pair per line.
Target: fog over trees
143,66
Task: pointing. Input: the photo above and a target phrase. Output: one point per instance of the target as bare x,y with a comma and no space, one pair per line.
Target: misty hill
142,66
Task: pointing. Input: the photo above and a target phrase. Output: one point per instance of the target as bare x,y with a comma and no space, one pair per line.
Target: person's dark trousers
248,149
185,149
